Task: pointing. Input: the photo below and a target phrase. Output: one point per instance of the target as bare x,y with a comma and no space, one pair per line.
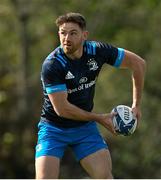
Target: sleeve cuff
120,57
56,88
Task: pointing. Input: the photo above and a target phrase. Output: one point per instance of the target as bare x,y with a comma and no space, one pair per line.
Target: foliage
28,34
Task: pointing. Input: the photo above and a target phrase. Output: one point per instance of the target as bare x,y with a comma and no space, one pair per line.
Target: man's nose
67,37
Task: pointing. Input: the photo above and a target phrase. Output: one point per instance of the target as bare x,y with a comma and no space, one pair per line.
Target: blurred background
28,34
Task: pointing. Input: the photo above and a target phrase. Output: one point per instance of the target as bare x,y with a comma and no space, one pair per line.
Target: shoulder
94,46
55,59
105,52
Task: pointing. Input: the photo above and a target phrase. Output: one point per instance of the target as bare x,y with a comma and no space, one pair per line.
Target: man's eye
73,33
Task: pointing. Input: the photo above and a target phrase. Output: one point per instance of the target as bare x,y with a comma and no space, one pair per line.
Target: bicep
58,101
131,60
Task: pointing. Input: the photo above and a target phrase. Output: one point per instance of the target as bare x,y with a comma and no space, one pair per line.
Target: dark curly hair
76,18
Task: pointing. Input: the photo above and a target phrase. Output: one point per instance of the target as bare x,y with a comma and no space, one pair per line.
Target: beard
71,48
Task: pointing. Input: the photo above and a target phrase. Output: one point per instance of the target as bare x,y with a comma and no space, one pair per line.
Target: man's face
71,37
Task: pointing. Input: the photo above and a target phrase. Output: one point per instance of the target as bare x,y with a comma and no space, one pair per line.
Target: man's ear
85,35
58,33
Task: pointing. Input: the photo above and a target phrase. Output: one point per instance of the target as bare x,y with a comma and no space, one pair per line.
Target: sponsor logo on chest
83,80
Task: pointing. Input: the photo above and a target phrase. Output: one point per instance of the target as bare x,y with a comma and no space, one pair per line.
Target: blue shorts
84,140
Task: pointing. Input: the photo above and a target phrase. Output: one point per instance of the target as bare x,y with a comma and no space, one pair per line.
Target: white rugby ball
124,121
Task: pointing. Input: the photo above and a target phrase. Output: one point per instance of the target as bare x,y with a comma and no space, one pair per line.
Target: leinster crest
92,64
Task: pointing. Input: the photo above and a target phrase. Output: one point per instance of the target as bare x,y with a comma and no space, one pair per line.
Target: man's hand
137,112
106,121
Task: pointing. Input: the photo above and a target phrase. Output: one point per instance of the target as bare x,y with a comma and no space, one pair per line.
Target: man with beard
69,75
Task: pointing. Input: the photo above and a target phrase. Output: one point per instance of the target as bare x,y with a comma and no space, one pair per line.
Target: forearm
137,65
73,112
138,83
65,109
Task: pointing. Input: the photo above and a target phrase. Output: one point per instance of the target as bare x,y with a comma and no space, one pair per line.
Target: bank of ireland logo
83,80
92,64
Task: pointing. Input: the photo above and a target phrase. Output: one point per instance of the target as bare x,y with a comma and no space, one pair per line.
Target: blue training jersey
77,77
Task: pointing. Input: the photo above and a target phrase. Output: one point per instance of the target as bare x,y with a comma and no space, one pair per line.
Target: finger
114,132
134,111
113,129
113,113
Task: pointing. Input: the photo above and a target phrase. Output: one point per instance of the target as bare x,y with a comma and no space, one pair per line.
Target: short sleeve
52,77
110,54
120,57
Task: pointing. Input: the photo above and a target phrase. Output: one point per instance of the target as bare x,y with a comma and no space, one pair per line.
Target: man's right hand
106,121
